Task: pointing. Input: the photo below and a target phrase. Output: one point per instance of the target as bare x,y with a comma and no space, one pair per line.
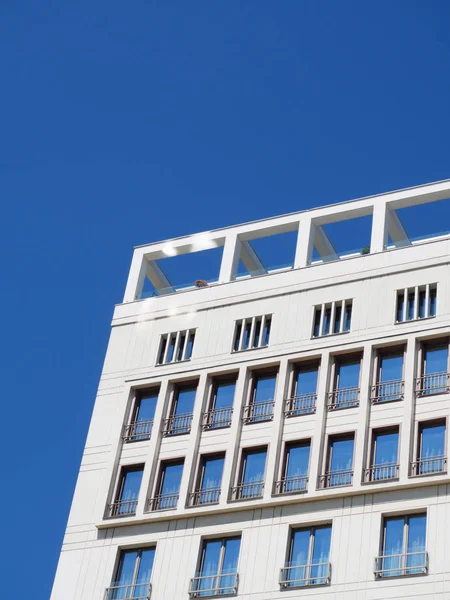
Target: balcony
434,383
304,404
163,502
207,586
138,431
291,485
343,398
201,497
247,491
401,565
336,479
135,591
387,391
258,412
217,418
122,508
177,425
379,473
293,576
433,465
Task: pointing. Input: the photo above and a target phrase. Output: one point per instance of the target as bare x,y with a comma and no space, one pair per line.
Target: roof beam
396,230
251,260
158,278
323,244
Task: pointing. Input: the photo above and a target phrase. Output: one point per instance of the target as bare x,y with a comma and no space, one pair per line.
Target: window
332,318
346,372
261,401
175,347
127,492
251,475
303,399
308,558
168,486
217,573
253,332
132,579
221,404
181,411
141,422
403,547
295,468
389,384
416,303
384,455
209,480
339,471
431,453
435,377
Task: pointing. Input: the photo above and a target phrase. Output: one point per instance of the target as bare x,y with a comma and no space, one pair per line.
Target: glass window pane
386,448
246,340
348,318
432,440
337,318
391,367
171,479
237,337
300,547
341,454
393,536
231,556
317,322
322,541
146,407
436,359
306,382
265,388
326,321
255,465
185,401
416,533
410,306
126,568
211,557
224,395
297,460
348,375
145,566
190,346
422,304
266,333
400,306
212,473
432,303
131,485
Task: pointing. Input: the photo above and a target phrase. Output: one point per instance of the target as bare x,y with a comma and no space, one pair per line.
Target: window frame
385,352
416,290
248,408
159,480
223,540
332,306
417,444
240,326
119,562
284,463
164,345
138,395
116,497
216,381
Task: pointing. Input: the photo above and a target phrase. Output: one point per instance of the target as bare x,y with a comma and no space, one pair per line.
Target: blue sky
125,123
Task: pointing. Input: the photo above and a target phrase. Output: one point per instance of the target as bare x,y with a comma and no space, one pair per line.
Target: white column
362,430
379,227
317,445
303,251
409,403
136,277
230,258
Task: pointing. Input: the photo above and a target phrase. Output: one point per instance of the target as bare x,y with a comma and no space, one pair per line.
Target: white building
277,435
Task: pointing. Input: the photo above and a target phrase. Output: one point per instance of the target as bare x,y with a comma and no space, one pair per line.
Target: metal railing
257,412
245,491
206,496
291,485
292,575
304,404
434,383
135,591
177,425
217,418
163,502
139,430
399,565
381,472
222,584
336,479
122,508
387,391
343,398
429,466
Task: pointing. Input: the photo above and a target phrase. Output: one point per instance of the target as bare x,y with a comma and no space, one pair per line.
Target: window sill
414,320
173,362
249,349
321,337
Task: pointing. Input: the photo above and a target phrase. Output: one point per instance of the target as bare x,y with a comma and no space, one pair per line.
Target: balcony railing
387,391
205,586
135,591
177,425
122,508
163,502
291,485
258,412
304,404
400,565
207,496
434,383
246,491
292,575
343,398
433,465
381,472
217,418
336,479
140,430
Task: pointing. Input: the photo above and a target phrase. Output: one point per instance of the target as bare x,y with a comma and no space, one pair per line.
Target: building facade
277,435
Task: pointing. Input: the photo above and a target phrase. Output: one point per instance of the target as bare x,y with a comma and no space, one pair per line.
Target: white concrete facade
356,512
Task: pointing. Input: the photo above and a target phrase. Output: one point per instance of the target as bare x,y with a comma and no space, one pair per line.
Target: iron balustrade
217,418
246,491
400,565
139,430
387,391
206,496
343,398
163,502
257,412
135,591
291,485
434,383
304,404
122,508
293,575
432,465
381,472
336,479
222,584
177,424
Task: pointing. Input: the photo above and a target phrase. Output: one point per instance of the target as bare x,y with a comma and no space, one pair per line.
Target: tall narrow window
332,318
295,468
168,486
417,302
431,453
251,475
303,399
176,347
261,401
345,393
253,332
132,578
221,404
435,376
403,547
339,471
127,492
384,455
389,384
308,558
181,411
217,574
141,422
209,480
